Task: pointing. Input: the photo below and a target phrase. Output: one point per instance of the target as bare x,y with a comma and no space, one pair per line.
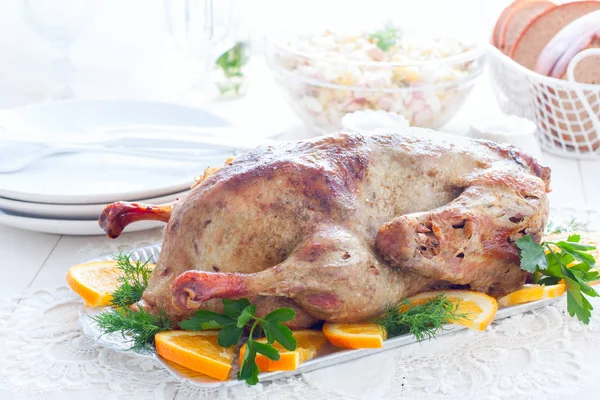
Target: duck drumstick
117,216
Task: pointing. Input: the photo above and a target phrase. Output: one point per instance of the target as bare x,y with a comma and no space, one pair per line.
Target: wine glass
60,22
205,33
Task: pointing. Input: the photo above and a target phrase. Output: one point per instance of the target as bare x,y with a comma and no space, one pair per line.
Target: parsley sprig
424,321
232,62
385,38
140,326
551,262
237,316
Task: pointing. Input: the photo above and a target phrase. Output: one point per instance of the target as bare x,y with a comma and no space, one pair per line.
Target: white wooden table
39,260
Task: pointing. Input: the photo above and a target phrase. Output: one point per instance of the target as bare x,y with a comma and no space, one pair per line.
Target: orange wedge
365,335
198,351
308,344
532,293
479,307
95,281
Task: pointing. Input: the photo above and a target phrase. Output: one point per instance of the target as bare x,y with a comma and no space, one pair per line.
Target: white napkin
368,122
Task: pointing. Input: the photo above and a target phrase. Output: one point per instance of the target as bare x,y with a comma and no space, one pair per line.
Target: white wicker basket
567,113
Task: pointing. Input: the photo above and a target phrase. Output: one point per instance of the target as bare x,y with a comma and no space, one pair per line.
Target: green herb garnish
571,226
237,316
138,326
231,62
424,321
134,281
551,267
385,38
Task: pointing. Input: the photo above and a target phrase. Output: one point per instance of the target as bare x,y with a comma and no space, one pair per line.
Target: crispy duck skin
342,226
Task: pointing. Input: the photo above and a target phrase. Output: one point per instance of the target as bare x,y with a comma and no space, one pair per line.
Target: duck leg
117,216
333,275
471,240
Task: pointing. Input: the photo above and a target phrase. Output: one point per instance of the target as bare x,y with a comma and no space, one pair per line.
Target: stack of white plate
65,194
67,219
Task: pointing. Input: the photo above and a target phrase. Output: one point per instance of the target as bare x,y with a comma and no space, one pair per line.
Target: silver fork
37,152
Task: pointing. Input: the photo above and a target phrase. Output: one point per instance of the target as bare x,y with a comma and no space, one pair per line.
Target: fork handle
168,154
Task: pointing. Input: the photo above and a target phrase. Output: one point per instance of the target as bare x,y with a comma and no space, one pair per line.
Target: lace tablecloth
544,354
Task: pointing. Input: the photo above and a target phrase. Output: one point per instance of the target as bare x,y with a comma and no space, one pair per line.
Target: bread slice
518,19
495,39
536,35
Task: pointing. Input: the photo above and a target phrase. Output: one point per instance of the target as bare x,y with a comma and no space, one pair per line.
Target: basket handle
571,77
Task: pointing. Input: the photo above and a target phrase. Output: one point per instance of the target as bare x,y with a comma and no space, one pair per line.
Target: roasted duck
342,226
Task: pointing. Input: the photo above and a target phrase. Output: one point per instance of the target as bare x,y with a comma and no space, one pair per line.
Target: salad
328,74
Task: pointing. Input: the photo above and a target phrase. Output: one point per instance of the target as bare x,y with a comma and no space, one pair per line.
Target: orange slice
198,351
95,281
480,309
355,336
532,293
308,344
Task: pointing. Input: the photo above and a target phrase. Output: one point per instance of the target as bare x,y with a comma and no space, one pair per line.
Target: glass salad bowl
327,74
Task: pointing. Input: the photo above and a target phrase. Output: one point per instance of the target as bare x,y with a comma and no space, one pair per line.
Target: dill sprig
424,321
134,281
137,326
571,226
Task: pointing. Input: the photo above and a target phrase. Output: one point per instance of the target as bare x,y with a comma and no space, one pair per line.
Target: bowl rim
274,38
415,88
